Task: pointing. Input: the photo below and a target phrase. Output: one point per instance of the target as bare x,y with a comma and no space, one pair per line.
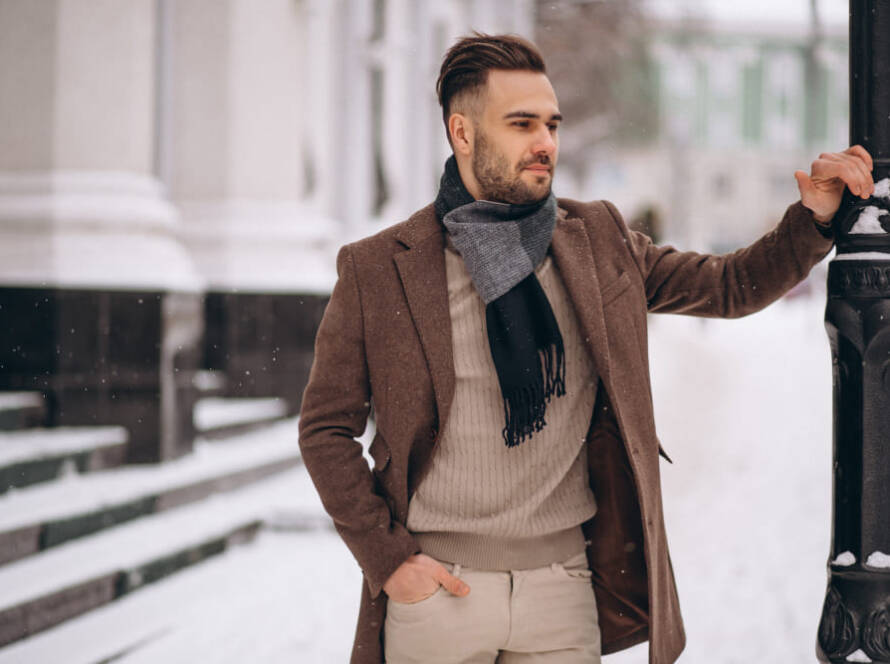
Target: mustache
542,159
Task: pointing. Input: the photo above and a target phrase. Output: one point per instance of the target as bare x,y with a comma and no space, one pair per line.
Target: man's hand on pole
822,189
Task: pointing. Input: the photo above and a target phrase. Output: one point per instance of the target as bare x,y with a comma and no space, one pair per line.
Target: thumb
451,583
804,183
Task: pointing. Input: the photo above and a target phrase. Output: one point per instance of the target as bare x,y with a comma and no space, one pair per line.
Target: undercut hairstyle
464,72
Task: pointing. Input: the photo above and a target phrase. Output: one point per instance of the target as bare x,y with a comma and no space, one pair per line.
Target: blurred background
176,177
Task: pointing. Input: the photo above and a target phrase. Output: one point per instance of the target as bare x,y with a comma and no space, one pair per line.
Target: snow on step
217,412
20,400
288,598
79,494
207,380
130,546
30,444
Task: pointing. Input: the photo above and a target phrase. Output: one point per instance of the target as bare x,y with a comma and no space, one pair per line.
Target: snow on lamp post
855,623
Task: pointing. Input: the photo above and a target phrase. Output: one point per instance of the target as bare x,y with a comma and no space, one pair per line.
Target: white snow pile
858,656
845,559
867,223
878,559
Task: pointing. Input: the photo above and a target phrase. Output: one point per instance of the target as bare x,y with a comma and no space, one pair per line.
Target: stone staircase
78,529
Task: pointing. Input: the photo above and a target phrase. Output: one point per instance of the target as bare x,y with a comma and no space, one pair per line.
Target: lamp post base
855,624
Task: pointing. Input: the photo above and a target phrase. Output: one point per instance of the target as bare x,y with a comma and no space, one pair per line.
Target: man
513,513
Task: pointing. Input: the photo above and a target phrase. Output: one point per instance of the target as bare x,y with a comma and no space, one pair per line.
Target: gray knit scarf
501,244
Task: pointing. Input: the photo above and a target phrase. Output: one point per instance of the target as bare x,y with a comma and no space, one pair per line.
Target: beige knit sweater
488,506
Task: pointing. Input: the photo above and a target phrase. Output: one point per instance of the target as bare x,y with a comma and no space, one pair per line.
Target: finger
835,165
451,583
804,183
862,153
865,177
860,171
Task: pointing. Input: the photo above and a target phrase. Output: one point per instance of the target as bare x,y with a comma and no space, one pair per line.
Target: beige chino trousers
546,614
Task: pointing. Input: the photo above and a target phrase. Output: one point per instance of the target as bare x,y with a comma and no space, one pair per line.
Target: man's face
515,143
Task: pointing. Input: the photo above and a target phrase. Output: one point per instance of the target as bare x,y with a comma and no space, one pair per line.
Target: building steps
47,515
32,456
50,587
78,529
274,611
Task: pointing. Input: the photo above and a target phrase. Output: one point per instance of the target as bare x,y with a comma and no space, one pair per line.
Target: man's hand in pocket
419,577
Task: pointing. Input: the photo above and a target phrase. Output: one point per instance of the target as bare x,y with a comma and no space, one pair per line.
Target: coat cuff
825,230
393,545
813,240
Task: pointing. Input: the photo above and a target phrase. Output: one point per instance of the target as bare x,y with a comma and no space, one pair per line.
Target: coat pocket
615,288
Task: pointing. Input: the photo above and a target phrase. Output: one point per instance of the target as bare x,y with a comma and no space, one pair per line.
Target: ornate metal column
855,624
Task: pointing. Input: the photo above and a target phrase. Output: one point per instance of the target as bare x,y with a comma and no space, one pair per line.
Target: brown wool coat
386,338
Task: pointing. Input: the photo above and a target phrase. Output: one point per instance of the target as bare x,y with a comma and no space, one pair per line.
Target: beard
499,182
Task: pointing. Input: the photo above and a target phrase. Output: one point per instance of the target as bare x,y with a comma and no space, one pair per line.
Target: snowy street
743,408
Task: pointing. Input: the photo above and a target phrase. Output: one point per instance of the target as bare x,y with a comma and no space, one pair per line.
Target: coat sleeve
734,284
335,408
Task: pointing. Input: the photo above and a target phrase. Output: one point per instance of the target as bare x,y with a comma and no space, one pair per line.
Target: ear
460,128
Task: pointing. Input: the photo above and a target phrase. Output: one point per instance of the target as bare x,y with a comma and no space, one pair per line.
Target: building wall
177,176
740,109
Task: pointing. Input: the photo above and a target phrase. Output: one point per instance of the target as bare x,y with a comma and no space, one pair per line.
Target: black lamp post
855,624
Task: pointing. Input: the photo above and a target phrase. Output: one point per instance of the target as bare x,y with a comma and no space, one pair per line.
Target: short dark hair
464,71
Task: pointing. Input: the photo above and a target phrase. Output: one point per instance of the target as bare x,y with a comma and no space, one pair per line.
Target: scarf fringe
556,378
525,407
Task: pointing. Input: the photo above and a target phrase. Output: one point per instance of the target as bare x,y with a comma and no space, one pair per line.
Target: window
752,102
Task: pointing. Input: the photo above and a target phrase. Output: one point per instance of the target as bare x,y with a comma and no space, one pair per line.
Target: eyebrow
535,116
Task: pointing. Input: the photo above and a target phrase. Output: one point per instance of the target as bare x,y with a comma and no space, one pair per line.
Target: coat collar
421,269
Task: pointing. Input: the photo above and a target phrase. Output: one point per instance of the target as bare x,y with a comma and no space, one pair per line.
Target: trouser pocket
575,567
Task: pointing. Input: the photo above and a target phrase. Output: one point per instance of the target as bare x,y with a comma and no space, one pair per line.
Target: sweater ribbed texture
507,508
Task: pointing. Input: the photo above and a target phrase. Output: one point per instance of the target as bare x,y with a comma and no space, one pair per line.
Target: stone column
101,302
252,172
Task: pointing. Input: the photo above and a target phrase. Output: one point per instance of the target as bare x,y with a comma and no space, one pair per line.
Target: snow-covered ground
744,409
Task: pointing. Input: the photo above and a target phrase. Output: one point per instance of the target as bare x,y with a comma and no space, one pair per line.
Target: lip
538,169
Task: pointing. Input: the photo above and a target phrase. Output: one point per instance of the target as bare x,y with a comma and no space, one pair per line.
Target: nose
545,143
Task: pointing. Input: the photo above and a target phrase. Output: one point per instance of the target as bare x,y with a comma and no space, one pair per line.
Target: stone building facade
175,179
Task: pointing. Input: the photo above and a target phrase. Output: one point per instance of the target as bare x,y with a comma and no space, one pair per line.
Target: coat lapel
573,255
422,272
